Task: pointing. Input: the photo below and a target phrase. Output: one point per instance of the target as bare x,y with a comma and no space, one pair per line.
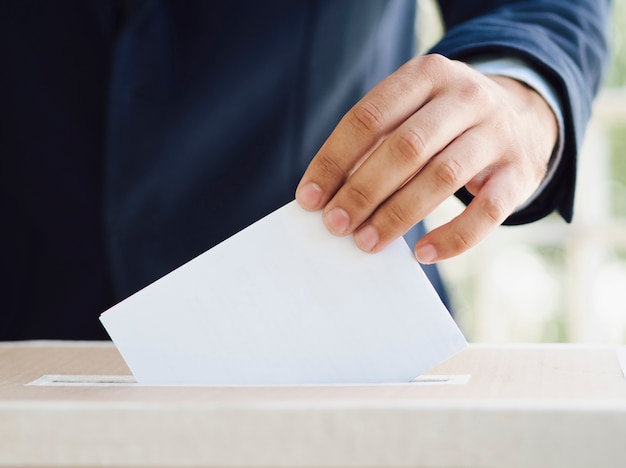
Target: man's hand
430,128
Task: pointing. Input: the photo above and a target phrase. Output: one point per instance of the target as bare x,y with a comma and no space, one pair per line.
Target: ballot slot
61,380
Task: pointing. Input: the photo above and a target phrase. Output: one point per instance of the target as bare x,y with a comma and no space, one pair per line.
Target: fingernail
337,221
309,196
366,238
426,254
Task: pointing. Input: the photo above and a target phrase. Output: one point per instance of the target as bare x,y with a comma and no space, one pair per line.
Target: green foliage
617,70
617,78
618,170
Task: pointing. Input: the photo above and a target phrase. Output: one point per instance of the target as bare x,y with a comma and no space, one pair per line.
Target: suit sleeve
563,40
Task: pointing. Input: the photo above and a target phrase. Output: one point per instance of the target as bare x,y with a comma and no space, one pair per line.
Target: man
137,134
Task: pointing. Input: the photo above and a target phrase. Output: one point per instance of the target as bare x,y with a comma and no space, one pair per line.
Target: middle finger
403,154
441,177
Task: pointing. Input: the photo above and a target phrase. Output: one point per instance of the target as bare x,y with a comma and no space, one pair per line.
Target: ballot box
67,404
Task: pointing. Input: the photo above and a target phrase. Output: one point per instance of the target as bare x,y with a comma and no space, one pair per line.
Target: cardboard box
504,406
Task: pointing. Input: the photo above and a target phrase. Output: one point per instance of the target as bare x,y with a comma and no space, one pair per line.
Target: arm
565,41
437,127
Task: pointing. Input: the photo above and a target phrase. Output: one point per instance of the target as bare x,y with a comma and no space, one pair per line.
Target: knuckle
330,168
409,146
368,117
495,209
434,62
462,241
435,68
399,215
448,173
473,91
359,194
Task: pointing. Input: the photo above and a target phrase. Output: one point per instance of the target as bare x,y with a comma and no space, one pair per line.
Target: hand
430,128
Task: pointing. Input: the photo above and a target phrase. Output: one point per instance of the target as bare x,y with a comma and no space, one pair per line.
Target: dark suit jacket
135,135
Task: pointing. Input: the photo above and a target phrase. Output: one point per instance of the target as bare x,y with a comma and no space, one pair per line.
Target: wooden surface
560,405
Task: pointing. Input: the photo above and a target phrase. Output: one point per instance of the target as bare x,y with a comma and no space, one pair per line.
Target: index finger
382,110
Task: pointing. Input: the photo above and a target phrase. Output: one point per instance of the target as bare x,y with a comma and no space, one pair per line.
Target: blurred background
551,281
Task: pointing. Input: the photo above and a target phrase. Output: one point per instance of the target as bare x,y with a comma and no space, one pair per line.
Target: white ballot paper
285,302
